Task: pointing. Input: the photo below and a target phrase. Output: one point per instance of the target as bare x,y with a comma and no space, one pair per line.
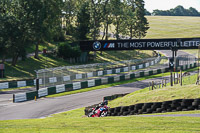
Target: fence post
171,78
181,78
152,85
37,84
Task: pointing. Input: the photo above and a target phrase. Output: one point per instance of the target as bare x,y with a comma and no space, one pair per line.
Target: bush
65,50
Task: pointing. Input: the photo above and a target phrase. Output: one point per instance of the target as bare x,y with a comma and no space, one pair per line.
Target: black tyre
184,109
131,107
117,109
196,102
120,114
191,108
187,102
125,113
124,108
149,110
177,101
179,108
175,105
139,105
158,110
140,111
147,105
169,110
167,103
112,110
132,113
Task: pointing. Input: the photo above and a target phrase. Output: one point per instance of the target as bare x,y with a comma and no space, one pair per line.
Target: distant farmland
173,27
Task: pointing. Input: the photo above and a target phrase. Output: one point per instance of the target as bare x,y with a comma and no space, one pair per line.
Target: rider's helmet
105,102
101,104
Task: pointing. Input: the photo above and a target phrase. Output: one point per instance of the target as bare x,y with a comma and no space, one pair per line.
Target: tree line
177,11
24,23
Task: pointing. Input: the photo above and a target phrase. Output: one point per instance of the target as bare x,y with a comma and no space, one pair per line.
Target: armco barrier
156,107
15,84
86,84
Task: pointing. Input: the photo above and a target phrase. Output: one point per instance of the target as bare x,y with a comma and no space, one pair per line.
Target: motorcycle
99,111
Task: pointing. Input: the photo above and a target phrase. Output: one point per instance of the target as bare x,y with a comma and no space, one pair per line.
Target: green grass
122,82
122,55
108,85
75,122
26,69
173,27
187,91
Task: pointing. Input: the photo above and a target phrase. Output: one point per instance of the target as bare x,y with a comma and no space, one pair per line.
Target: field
173,27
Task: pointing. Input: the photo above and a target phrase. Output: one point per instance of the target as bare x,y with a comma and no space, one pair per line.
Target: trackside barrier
84,84
154,107
15,84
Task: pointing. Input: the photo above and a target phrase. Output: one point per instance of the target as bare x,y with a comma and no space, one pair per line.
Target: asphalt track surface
46,106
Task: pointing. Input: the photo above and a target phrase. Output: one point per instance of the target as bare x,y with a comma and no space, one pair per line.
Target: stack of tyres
111,112
124,111
131,109
166,105
117,111
176,104
155,106
186,104
146,108
138,108
196,103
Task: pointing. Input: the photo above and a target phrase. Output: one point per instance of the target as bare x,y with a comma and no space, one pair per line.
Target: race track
47,106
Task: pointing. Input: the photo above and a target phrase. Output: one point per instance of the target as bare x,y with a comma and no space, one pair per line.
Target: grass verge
26,69
188,91
75,122
109,85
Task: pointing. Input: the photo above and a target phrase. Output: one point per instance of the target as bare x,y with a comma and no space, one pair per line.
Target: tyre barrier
114,96
87,109
156,107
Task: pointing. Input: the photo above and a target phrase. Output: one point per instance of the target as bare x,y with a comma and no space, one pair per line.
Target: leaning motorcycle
99,111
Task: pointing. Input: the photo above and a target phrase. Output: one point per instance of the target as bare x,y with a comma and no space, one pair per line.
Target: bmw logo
96,45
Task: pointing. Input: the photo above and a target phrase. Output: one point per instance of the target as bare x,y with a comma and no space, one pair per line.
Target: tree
70,9
95,18
83,22
12,30
177,11
43,16
193,12
107,19
141,25
147,13
117,14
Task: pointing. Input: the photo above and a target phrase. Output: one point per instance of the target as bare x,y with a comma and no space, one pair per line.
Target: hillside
173,27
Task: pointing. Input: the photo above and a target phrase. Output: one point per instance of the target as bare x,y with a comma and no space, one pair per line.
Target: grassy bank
188,91
26,69
75,122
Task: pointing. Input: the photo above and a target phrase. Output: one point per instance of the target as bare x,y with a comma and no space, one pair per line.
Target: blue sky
151,5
